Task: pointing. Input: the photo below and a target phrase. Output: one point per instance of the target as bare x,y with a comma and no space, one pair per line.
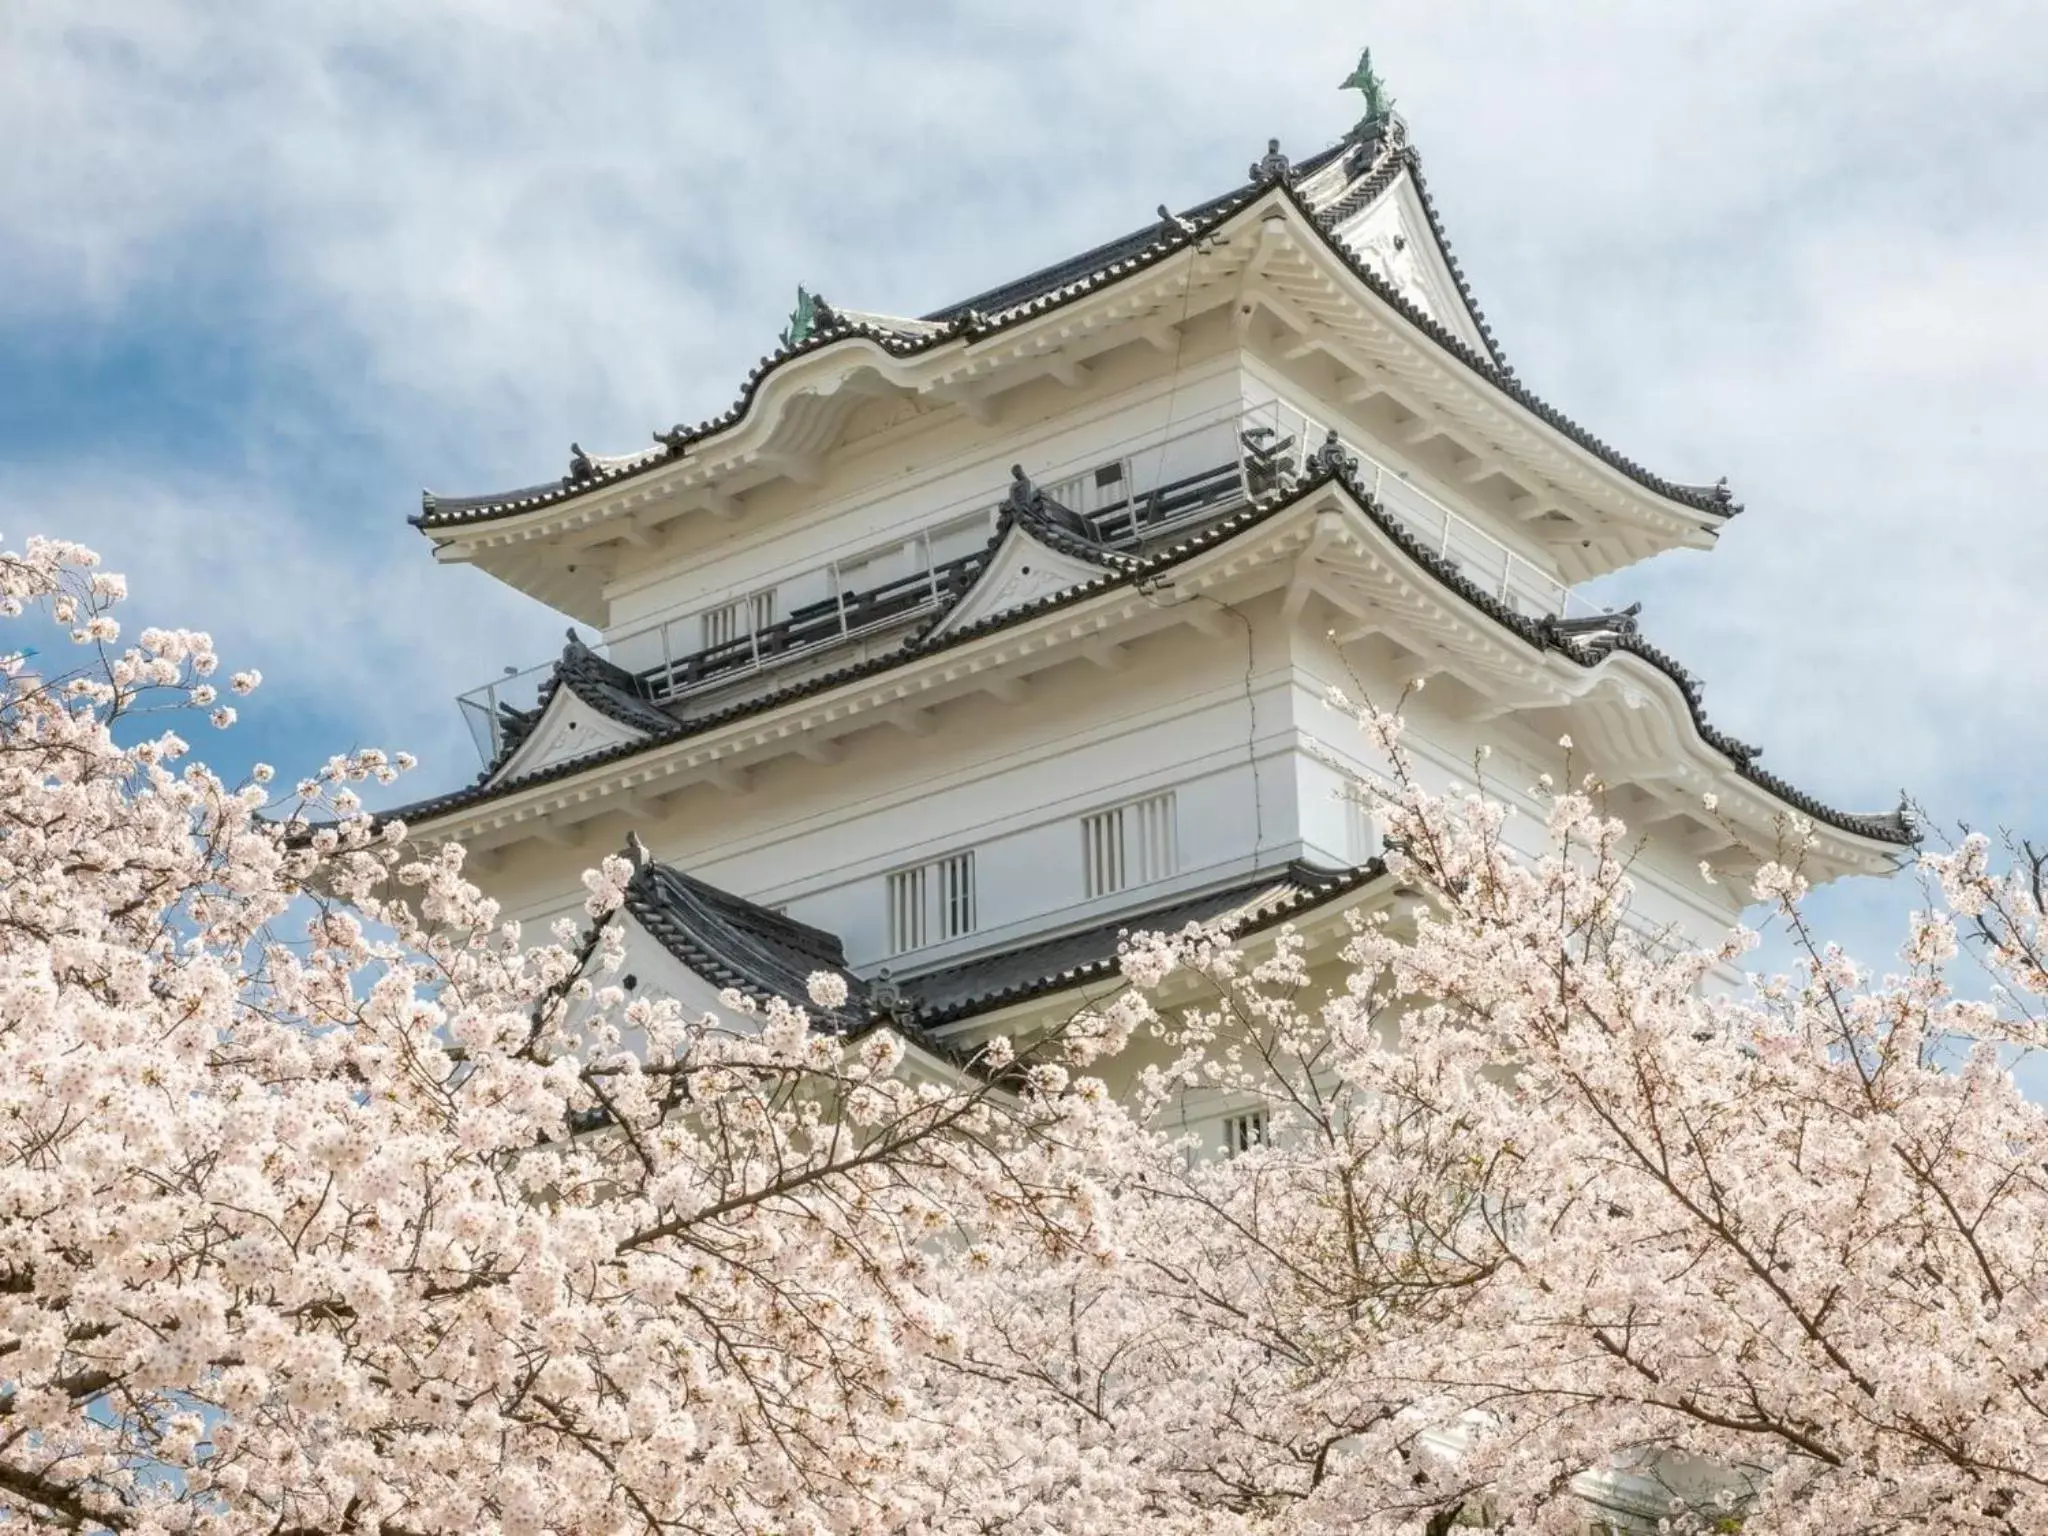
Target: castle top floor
1323,294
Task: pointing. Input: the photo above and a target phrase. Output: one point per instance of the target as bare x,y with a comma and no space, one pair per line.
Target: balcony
1155,488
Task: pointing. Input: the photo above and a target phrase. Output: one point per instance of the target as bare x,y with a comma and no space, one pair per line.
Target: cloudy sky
269,269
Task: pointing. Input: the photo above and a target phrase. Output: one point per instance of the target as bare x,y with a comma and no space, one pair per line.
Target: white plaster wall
1010,780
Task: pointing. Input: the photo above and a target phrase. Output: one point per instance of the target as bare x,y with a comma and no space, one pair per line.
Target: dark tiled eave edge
1589,653
613,691
1125,257
1109,561
1887,829
698,924
1313,886
1047,280
1710,499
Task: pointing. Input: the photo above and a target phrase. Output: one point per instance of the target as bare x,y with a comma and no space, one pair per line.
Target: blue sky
271,268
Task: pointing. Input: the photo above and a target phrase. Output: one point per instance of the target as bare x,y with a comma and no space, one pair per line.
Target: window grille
906,910
1243,1132
739,618
931,903
1128,845
956,895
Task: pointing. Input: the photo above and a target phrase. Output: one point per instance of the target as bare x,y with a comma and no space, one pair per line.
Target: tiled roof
1893,828
1890,828
1044,520
731,942
1034,969
1713,499
1062,283
1063,274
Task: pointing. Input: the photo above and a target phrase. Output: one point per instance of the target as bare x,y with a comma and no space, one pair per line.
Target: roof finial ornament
1379,105
1331,457
1024,497
638,852
1272,165
1604,630
1028,504
1175,224
884,993
580,467
811,315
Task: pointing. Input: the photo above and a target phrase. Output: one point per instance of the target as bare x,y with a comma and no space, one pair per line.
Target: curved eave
720,738
1879,838
1324,892
1686,513
852,346
730,942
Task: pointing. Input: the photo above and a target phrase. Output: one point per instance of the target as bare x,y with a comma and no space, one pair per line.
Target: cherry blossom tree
1545,1214
331,1203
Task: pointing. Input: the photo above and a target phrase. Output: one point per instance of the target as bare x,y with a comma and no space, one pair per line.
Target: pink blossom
329,1203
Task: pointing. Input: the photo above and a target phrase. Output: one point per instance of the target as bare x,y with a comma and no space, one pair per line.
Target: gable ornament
1379,103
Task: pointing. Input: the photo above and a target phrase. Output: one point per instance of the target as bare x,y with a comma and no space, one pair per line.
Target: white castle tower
960,644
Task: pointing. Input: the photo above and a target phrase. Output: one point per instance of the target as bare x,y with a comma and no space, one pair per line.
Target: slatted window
739,618
956,895
931,903
1243,1132
907,927
1129,845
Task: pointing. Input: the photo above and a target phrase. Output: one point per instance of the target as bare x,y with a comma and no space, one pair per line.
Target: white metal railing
839,609
1133,492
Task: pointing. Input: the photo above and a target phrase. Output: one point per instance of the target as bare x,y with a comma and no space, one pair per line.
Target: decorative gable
568,728
1393,236
1022,570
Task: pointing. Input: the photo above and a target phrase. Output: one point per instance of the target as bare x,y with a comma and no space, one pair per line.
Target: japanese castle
961,644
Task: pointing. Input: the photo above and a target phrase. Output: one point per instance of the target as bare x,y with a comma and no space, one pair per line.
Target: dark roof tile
604,685
996,980
732,942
